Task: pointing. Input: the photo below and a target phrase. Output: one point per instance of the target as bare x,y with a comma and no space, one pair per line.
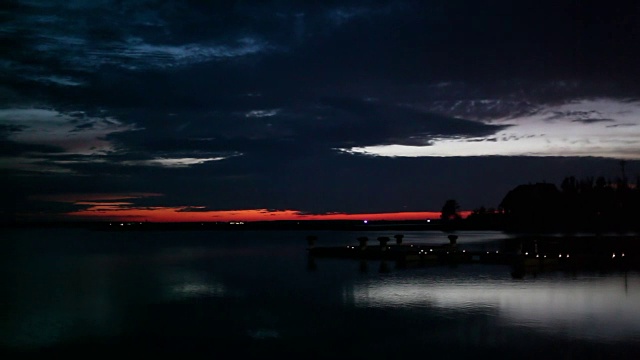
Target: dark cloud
621,125
11,128
82,127
592,121
373,123
323,125
194,209
13,148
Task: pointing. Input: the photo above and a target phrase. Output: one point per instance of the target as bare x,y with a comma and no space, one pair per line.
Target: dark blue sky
315,106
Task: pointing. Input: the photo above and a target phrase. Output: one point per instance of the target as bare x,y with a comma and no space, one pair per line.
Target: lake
257,294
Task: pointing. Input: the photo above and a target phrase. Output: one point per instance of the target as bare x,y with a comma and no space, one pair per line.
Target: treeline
588,204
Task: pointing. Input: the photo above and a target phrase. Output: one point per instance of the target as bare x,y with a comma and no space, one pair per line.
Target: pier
525,255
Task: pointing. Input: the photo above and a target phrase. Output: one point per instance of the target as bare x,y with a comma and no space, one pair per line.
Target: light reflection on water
181,284
597,307
65,286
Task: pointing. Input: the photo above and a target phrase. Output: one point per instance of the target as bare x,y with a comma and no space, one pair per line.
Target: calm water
256,293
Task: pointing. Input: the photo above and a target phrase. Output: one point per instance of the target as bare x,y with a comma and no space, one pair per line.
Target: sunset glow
114,211
128,207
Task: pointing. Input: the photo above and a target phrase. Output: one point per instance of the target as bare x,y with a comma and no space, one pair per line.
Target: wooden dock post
363,242
399,239
383,242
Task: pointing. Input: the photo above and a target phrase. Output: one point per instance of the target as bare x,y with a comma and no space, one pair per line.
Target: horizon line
179,215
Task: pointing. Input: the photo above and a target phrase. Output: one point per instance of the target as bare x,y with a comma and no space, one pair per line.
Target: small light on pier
537,255
560,255
464,250
527,253
613,256
622,255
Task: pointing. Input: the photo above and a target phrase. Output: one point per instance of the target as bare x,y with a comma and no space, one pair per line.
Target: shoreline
336,225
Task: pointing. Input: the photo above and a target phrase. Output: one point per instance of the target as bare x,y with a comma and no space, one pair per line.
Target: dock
524,255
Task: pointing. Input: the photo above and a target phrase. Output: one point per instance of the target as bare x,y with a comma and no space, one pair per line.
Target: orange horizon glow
121,207
113,212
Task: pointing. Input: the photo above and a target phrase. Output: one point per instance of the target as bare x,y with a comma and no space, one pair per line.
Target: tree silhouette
485,218
589,204
536,206
450,210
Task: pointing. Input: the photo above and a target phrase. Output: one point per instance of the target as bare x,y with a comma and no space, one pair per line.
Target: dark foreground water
233,294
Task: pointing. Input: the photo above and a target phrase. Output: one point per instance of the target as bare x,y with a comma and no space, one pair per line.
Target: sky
262,110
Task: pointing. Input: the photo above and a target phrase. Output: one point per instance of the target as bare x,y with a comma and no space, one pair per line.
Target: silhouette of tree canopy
580,204
532,205
593,204
485,218
450,210
601,204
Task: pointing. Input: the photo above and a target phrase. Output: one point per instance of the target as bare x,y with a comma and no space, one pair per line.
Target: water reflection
181,284
56,299
232,291
597,307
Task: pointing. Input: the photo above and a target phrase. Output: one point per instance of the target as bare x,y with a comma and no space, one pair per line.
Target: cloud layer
316,107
